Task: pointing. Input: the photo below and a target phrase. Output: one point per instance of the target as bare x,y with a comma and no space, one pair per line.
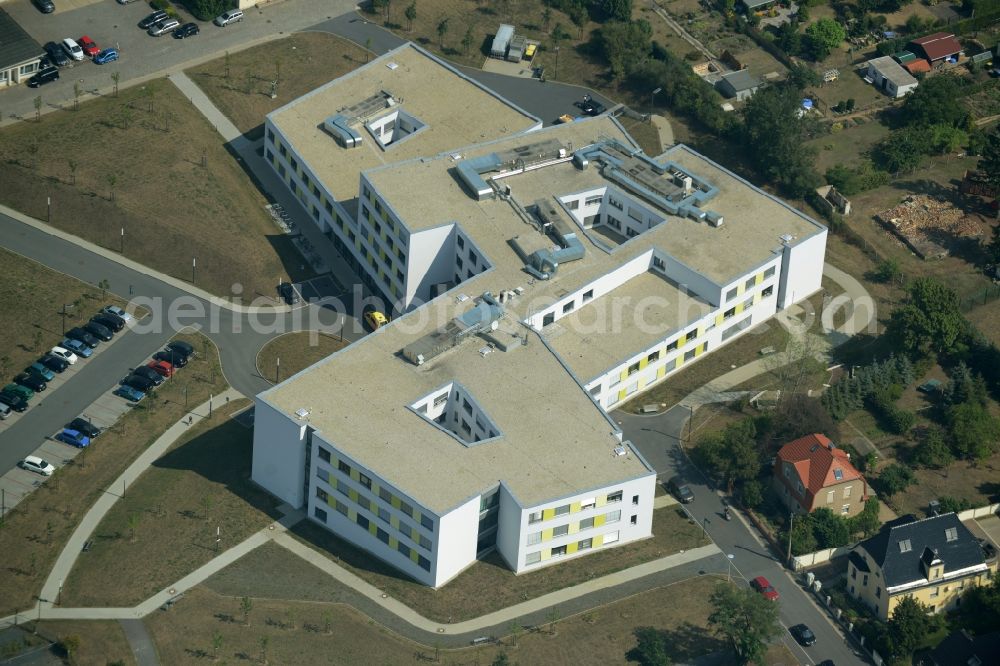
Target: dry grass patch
645,134
35,531
153,166
301,62
201,484
100,641
463,597
297,632
296,351
31,298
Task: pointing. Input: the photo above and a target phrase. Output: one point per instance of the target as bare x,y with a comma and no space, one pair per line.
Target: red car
89,47
161,368
763,586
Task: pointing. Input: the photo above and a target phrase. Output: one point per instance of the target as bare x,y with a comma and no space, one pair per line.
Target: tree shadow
685,643
991,489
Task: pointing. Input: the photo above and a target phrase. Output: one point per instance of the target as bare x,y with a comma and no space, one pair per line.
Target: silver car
162,26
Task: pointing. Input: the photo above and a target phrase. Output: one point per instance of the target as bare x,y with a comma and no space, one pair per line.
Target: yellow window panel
719,318
353,494
372,528
661,372
547,534
758,278
643,363
414,555
571,548
548,514
739,308
393,542
395,502
545,553
621,395
598,541
598,521
740,288
574,507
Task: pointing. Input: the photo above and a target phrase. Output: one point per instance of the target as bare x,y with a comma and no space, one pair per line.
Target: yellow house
934,560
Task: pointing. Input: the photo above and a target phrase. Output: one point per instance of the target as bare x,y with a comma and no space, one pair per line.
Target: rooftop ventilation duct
543,264
339,127
470,171
484,316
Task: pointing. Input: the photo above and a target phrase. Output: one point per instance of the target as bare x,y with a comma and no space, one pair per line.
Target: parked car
79,334
375,319
162,368
106,56
118,312
84,426
88,45
73,438
15,402
129,393
54,363
22,392
63,354
109,321
99,331
125,2
764,586
589,106
802,634
72,49
43,76
152,18
172,358
227,17
138,382
40,370
162,26
33,382
186,30
45,6
57,56
77,348
680,490
37,465
4,412
150,374
288,293
181,347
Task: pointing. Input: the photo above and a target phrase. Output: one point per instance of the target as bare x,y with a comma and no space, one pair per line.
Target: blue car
129,393
40,370
73,438
77,348
106,56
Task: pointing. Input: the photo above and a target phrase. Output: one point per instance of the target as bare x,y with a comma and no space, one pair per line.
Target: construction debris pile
929,226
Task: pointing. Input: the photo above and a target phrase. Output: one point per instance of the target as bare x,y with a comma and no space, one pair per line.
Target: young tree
216,644
624,45
112,181
617,10
467,40
932,450
73,165
515,630
263,641
745,619
38,108
552,617
651,648
442,30
246,605
775,137
989,161
133,524
104,285
411,15
76,95
895,479
70,644
116,77
546,17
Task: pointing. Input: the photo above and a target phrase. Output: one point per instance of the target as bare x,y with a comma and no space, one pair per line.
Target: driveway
658,439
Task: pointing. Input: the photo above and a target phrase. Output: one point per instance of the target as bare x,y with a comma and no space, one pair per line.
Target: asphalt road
658,439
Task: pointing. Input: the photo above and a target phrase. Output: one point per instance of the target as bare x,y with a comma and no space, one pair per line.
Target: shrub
894,479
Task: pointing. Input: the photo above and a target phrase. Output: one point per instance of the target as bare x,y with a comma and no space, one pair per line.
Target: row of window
585,524
582,505
399,234
570,548
380,534
749,284
384,494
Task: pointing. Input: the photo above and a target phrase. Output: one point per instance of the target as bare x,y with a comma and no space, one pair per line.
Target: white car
36,464
72,49
118,312
64,354
231,16
164,26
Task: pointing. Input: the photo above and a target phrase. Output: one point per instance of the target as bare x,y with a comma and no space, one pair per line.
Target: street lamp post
557,63
690,420
48,214
123,241
194,263
729,572
277,369
652,97
64,313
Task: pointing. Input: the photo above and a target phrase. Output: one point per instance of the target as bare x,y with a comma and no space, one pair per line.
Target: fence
979,512
981,298
800,562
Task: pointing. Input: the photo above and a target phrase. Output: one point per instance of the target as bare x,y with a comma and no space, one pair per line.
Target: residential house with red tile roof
811,472
937,47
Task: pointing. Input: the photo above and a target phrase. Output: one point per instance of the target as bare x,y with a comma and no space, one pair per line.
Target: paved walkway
143,647
67,558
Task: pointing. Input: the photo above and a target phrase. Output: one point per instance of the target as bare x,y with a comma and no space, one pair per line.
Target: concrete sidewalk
74,546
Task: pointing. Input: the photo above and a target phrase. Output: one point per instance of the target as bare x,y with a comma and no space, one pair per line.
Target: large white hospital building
542,277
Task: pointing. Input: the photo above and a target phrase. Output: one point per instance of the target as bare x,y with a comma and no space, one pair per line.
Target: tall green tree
732,455
442,30
934,102
774,136
411,15
617,10
745,619
624,45
929,321
975,432
910,624
831,530
989,162
651,648
823,36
